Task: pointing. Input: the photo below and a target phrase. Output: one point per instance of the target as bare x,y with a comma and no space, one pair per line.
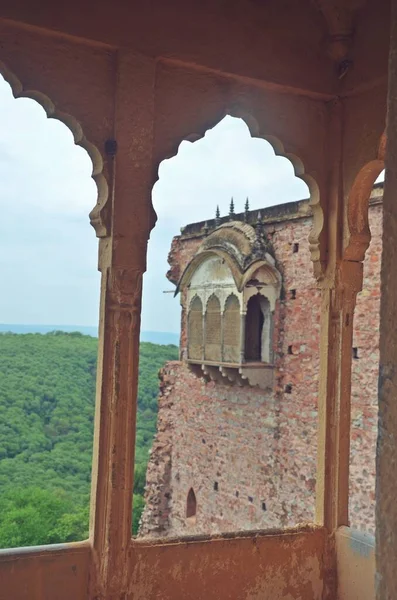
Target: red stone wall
251,457
364,396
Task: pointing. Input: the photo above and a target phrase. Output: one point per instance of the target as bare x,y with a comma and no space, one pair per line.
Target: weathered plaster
45,573
282,566
355,565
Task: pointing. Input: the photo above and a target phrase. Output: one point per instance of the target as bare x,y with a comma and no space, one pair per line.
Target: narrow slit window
191,504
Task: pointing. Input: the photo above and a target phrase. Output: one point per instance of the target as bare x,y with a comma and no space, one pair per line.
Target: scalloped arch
195,297
232,295
200,259
214,296
359,234
279,150
97,216
273,273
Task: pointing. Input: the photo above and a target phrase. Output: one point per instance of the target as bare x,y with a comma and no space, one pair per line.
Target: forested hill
47,394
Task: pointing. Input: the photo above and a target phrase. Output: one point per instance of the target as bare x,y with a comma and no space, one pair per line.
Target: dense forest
47,394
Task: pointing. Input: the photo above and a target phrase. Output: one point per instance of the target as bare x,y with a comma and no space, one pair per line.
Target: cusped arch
359,235
213,302
231,343
196,303
200,258
195,329
268,273
213,329
99,217
202,121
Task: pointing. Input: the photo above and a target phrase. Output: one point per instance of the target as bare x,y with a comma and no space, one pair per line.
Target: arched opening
195,329
49,312
232,330
258,329
191,505
209,398
213,330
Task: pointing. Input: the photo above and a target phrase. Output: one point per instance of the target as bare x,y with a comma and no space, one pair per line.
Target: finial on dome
231,209
246,210
217,216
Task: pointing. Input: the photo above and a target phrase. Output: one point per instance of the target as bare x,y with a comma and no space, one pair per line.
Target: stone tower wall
250,457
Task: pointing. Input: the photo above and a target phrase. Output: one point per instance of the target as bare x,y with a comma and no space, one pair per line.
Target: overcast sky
48,250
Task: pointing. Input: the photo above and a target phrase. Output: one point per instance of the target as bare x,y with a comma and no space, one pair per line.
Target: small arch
195,329
359,235
191,505
213,333
231,330
258,329
99,217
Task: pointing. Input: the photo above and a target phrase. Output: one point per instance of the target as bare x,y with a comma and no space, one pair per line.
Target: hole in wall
191,504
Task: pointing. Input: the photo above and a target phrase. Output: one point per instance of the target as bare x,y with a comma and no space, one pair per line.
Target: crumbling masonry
247,453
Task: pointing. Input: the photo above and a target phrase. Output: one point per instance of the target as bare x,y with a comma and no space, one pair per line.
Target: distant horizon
152,336
79,325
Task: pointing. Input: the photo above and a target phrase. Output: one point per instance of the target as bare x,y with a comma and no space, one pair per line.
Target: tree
47,397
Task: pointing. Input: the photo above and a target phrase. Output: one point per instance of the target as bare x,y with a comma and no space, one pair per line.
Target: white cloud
48,251
226,162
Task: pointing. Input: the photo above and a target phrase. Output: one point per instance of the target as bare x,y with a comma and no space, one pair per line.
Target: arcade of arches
134,80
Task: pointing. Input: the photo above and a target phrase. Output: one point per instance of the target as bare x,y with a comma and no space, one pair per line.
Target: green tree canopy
47,393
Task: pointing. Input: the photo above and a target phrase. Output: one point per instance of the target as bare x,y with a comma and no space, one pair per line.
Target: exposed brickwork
249,456
365,384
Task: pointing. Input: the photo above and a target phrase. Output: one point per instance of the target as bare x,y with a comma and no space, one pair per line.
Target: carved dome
239,245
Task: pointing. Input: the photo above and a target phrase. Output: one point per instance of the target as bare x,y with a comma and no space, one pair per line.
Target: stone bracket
254,374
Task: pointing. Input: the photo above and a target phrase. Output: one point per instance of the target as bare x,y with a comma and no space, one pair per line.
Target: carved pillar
337,310
122,262
340,284
222,353
386,467
204,311
242,338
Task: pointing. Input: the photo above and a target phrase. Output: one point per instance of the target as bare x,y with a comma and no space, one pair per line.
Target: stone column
204,310
339,284
386,467
222,353
122,262
242,338
337,310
